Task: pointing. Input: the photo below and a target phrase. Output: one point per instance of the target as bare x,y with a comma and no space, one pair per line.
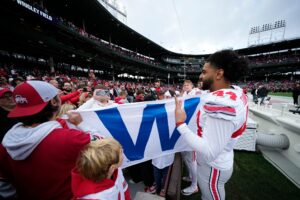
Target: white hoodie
20,141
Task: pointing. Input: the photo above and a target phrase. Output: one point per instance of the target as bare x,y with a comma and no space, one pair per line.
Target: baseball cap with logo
31,97
4,90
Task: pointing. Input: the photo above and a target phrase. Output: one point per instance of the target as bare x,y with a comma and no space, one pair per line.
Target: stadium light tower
267,33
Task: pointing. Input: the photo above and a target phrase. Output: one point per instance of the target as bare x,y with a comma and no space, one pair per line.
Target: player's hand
180,115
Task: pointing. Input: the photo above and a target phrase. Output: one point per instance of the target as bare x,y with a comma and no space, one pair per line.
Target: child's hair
84,97
188,82
97,157
64,109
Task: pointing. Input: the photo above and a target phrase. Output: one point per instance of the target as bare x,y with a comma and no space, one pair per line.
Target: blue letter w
112,120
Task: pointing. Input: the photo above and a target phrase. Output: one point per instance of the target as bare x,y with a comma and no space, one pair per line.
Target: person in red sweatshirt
38,153
97,174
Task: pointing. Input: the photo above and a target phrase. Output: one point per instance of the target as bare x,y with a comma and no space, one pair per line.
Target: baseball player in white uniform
222,119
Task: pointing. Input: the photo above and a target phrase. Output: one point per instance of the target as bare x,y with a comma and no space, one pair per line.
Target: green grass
284,94
255,178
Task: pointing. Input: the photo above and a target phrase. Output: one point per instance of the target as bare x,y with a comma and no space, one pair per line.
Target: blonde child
84,97
97,174
64,109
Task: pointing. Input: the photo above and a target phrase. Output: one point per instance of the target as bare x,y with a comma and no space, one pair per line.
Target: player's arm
216,133
215,137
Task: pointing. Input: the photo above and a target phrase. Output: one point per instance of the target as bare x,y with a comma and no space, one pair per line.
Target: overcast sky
204,26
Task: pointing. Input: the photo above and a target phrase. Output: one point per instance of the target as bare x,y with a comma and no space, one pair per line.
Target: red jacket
72,97
46,172
115,188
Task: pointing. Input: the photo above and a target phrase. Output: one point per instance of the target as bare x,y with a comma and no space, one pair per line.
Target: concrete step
147,196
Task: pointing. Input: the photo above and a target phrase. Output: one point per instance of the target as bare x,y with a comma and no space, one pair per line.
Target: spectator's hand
60,93
180,115
74,118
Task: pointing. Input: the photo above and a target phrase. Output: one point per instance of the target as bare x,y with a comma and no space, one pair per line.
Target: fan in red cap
38,153
31,97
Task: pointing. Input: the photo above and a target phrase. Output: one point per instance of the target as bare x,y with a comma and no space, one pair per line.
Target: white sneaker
190,190
186,179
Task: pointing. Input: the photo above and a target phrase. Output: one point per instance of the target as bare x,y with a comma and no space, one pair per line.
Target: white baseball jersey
221,120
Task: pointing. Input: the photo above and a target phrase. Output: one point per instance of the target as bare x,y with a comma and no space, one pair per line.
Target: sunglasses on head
102,93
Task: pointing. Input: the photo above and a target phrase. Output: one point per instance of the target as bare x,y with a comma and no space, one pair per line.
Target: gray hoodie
20,141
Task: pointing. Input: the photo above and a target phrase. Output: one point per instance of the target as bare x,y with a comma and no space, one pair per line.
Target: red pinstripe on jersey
218,108
243,127
199,128
213,184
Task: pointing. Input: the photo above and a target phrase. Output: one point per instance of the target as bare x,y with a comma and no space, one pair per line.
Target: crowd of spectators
116,48
284,85
81,31
81,79
255,60
71,83
91,92
275,58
